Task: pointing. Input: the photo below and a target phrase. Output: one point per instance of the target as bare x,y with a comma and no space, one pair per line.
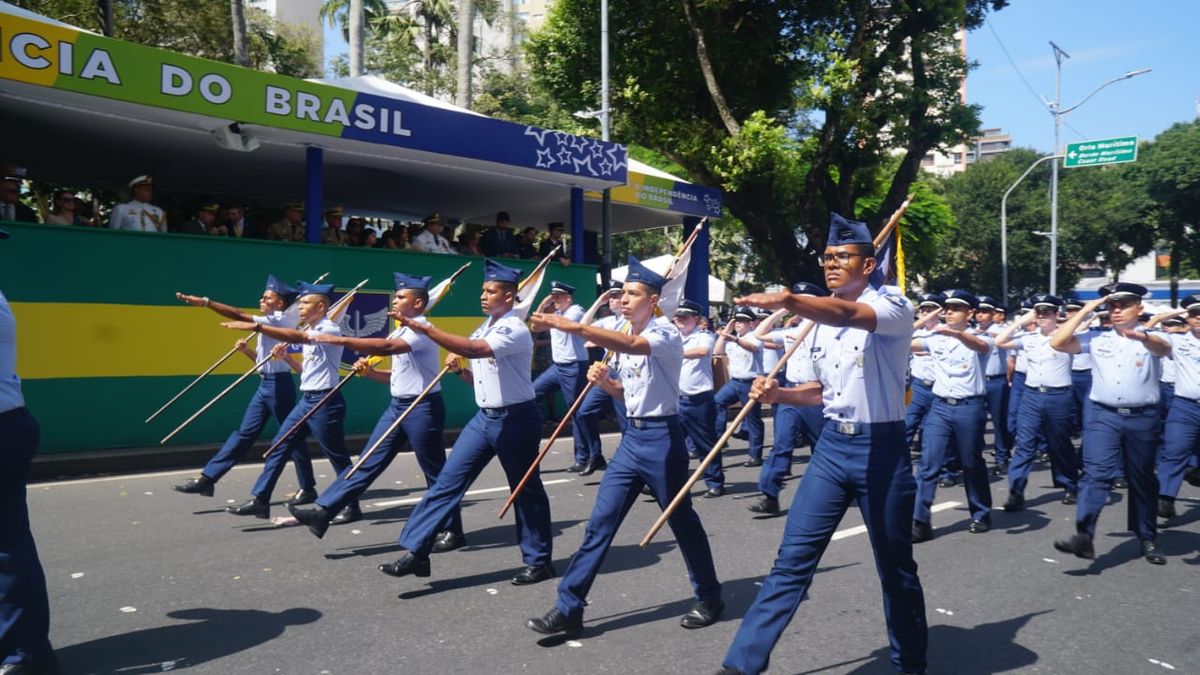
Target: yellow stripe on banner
59,339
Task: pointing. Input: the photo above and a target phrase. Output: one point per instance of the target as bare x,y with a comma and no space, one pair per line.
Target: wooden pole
218,397
395,425
300,422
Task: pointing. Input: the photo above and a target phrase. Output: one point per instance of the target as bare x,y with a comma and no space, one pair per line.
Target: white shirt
140,216
1045,365
503,379
612,322
862,372
1185,352
771,356
1124,372
319,370
413,371
1020,362
1083,360
565,347
266,343
652,382
10,384
958,372
1170,372
431,243
997,359
744,363
695,375
799,367
921,366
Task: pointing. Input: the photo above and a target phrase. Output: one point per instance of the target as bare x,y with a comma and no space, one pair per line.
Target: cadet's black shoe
765,505
752,462
302,497
1193,476
555,622
1043,457
1015,502
713,493
703,613
448,541
1166,508
1120,483
1069,498
201,485
726,670
1079,544
533,574
315,519
1152,554
577,467
251,507
693,455
597,463
647,491
1000,469
741,435
47,665
409,564
948,482
921,532
979,526
349,514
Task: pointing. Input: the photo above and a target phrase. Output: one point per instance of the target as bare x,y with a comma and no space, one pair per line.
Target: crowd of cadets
1054,370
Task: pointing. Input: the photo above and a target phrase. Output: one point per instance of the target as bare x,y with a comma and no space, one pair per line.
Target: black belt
693,398
313,392
1125,411
995,377
502,411
1081,370
1046,390
959,401
649,422
748,380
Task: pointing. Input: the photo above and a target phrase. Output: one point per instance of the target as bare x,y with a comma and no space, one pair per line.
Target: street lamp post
1004,225
605,118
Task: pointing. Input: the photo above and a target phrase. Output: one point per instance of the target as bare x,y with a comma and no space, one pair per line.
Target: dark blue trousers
918,407
1181,445
791,423
596,405
653,455
697,416
736,391
327,425
1081,386
423,428
1045,415
1015,391
1116,443
24,604
275,397
570,378
874,470
997,407
512,435
961,427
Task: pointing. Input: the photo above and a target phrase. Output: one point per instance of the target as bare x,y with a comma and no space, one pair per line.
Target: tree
237,11
1168,170
791,108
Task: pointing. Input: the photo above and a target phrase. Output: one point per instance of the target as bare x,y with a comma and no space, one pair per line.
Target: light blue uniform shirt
10,384
414,370
695,375
997,359
1020,362
921,366
799,368
503,379
1124,372
1083,361
958,372
862,372
565,347
319,370
1185,353
744,363
612,322
266,343
652,382
1045,365
1170,371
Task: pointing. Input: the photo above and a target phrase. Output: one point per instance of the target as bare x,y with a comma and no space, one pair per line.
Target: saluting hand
765,389
597,372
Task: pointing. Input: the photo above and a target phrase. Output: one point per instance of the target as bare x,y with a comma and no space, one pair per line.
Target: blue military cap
844,231
283,290
1044,300
961,297
1174,320
689,307
1026,304
1122,289
744,314
494,271
988,302
935,299
316,289
1072,302
407,281
560,287
615,284
644,275
806,288
1191,303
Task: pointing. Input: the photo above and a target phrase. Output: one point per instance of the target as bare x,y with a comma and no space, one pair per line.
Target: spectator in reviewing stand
202,223
332,232
370,239
11,208
499,241
354,232
235,221
554,237
395,238
138,213
64,209
291,228
527,245
431,240
468,242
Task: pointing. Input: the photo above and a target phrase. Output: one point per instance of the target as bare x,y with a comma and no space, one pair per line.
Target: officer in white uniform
430,240
138,213
568,371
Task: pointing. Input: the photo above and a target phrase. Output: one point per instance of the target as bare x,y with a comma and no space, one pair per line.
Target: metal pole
1004,225
606,204
1058,57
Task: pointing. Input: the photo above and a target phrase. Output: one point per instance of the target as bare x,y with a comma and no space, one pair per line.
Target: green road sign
1104,151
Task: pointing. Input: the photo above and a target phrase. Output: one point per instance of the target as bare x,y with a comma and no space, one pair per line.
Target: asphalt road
145,580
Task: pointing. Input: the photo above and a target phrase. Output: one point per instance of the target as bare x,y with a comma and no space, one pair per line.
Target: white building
303,13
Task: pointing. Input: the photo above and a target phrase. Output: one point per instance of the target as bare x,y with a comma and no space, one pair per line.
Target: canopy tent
716,287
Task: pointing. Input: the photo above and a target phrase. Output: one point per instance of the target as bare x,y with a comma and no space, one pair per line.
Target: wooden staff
205,374
311,411
399,420
537,461
712,454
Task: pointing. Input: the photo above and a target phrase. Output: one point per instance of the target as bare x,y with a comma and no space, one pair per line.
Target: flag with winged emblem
528,288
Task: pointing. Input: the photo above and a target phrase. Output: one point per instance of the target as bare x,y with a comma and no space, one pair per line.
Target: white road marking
862,529
414,500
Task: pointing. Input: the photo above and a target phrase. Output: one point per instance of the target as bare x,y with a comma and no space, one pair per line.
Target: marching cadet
1081,374
415,364
599,402
997,382
138,213
508,425
1122,420
929,313
652,452
1046,403
957,415
1018,367
744,354
697,405
1181,431
318,374
24,603
860,347
274,397
568,370
791,421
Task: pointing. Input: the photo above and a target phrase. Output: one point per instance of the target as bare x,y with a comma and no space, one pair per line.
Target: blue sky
1105,38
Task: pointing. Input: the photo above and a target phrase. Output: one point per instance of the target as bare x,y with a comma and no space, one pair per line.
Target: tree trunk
237,10
466,32
1173,267
105,10
427,57
710,77
358,20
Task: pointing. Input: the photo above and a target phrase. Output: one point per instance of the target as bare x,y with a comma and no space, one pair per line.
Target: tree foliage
1168,172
